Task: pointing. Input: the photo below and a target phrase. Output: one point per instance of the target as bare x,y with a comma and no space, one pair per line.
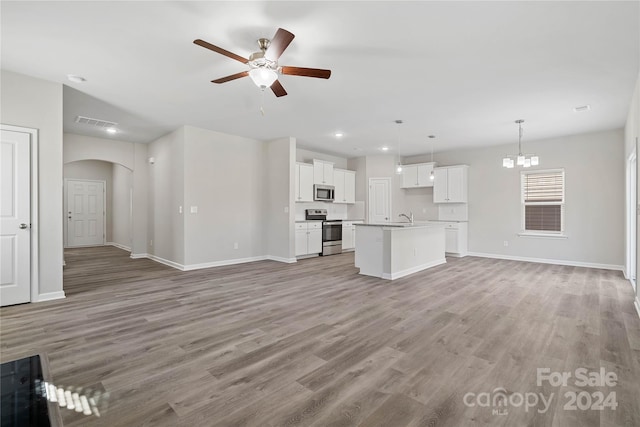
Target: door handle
23,226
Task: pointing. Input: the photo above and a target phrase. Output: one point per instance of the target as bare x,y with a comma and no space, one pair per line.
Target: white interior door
379,200
85,213
15,217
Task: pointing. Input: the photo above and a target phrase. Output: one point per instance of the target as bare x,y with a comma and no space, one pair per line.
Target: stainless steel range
331,231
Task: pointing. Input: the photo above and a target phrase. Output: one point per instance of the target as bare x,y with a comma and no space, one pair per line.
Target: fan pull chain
262,102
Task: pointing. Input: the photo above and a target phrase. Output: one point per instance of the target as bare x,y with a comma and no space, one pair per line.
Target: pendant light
521,159
398,164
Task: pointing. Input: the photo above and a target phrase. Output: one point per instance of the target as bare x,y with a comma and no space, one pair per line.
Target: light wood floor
314,343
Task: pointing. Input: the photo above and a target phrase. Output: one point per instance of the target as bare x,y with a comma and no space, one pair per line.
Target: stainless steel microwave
323,193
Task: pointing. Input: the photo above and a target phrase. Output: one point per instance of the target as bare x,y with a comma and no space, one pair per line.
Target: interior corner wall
280,206
166,197
81,147
224,180
140,201
132,157
97,170
631,140
121,206
307,156
34,103
594,194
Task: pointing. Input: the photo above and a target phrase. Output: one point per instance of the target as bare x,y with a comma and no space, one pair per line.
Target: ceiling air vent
102,124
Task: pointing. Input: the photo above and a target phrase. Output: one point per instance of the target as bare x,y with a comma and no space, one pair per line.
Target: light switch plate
194,209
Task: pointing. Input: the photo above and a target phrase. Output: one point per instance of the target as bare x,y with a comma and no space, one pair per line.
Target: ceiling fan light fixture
263,77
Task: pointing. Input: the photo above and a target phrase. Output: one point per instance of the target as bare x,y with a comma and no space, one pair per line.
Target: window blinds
543,187
543,197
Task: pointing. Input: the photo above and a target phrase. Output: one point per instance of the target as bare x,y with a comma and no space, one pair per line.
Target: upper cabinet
345,186
322,172
304,182
450,184
417,176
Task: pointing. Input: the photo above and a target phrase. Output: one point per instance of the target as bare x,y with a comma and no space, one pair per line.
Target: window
543,202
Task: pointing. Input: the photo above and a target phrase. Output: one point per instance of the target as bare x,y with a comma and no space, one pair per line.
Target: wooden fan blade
220,51
279,43
306,72
277,89
231,77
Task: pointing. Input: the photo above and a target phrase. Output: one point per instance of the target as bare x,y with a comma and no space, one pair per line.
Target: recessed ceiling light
582,108
385,148
339,134
76,79
111,130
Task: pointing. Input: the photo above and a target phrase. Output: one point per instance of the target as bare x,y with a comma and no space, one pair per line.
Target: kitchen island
394,250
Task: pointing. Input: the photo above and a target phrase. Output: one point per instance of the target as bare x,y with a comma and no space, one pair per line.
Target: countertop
330,219
418,224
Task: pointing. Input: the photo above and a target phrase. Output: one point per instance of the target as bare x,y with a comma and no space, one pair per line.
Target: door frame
66,210
631,267
33,188
390,183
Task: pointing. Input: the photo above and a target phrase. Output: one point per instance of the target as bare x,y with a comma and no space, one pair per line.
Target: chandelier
528,160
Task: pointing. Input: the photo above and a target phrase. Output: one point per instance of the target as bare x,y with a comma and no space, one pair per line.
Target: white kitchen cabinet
417,175
450,184
456,235
308,238
322,172
349,235
345,186
304,182
314,242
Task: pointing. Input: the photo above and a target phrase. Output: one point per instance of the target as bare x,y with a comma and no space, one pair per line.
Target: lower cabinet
308,238
349,235
455,238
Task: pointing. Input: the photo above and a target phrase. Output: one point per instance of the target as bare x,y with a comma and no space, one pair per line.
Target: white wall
91,170
594,220
133,157
280,205
631,135
121,207
81,147
34,103
166,196
139,206
307,156
224,178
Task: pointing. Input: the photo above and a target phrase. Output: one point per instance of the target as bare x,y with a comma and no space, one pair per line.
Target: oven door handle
332,223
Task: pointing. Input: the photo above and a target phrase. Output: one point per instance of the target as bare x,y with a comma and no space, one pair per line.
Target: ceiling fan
263,65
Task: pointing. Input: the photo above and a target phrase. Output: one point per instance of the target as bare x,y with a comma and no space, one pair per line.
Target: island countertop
402,224
392,250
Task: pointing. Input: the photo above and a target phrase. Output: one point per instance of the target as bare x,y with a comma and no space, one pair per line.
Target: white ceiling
464,71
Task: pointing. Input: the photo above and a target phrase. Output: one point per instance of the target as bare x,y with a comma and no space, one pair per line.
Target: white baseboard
222,263
119,246
548,261
49,296
137,256
166,262
412,270
281,259
200,266
637,304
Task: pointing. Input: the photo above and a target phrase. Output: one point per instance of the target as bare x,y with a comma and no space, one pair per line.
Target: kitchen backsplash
334,210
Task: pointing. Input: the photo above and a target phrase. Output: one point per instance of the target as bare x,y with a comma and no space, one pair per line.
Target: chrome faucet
409,217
